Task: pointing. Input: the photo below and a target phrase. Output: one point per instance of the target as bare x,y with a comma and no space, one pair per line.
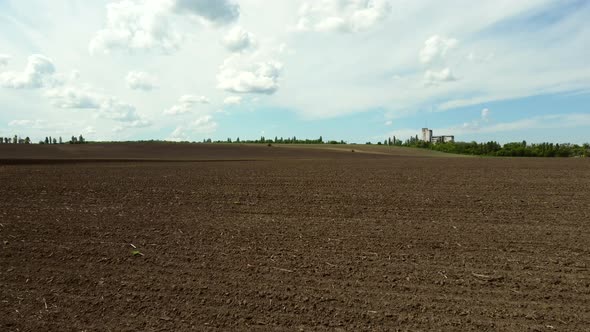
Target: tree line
276,140
48,140
513,149
15,140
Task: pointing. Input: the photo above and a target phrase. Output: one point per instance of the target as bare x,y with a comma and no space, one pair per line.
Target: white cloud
4,59
151,24
186,105
552,121
475,125
34,124
485,115
135,124
108,107
194,99
232,100
342,15
473,57
89,130
137,80
74,75
433,77
140,123
239,75
239,40
37,74
74,97
388,123
116,110
140,24
214,11
202,125
436,47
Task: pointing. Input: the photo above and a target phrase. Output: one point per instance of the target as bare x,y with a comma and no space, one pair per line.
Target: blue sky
357,70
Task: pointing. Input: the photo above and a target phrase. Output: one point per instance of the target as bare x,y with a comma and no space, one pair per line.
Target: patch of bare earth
344,244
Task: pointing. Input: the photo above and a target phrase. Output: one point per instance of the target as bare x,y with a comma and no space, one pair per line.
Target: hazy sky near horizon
356,70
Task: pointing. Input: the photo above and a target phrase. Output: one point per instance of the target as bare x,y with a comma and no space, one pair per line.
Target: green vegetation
516,149
15,140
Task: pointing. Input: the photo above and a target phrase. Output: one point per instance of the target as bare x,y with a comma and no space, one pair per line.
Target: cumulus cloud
433,77
4,59
232,100
74,97
114,109
485,115
108,107
204,124
240,75
37,74
239,40
138,24
186,104
436,47
149,24
342,15
475,125
138,80
214,11
135,124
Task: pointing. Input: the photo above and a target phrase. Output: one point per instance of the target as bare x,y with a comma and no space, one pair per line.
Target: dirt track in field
302,240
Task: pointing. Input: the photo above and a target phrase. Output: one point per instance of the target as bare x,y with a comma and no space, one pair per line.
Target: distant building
428,137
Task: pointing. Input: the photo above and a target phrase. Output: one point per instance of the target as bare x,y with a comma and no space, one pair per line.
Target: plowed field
289,239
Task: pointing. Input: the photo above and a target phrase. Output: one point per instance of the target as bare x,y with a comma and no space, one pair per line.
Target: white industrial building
428,137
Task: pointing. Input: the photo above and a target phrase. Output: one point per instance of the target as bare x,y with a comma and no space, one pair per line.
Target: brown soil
300,240
14,153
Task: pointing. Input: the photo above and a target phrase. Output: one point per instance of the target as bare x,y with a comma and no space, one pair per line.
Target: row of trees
514,149
48,140
15,140
276,140
74,140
